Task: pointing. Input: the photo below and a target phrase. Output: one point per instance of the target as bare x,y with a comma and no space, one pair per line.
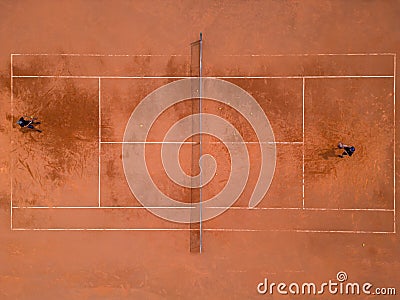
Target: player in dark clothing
348,150
28,123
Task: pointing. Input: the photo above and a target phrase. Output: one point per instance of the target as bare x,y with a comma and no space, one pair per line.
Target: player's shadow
328,153
26,130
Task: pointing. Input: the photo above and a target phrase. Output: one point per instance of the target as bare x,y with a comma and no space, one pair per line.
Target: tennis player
28,123
348,150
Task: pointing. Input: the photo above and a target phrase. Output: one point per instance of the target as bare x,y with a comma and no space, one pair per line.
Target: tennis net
196,234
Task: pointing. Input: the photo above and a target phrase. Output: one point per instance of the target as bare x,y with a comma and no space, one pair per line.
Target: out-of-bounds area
73,222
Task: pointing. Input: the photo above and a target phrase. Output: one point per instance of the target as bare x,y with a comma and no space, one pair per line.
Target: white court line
212,207
95,54
133,55
99,195
96,207
190,143
268,143
11,138
304,76
103,77
312,54
309,208
186,77
300,230
303,142
205,229
348,209
394,141
102,229
177,142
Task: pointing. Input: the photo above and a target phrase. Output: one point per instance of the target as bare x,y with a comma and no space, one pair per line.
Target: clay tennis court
73,220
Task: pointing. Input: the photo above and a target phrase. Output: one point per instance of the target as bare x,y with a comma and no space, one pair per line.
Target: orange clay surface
76,231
